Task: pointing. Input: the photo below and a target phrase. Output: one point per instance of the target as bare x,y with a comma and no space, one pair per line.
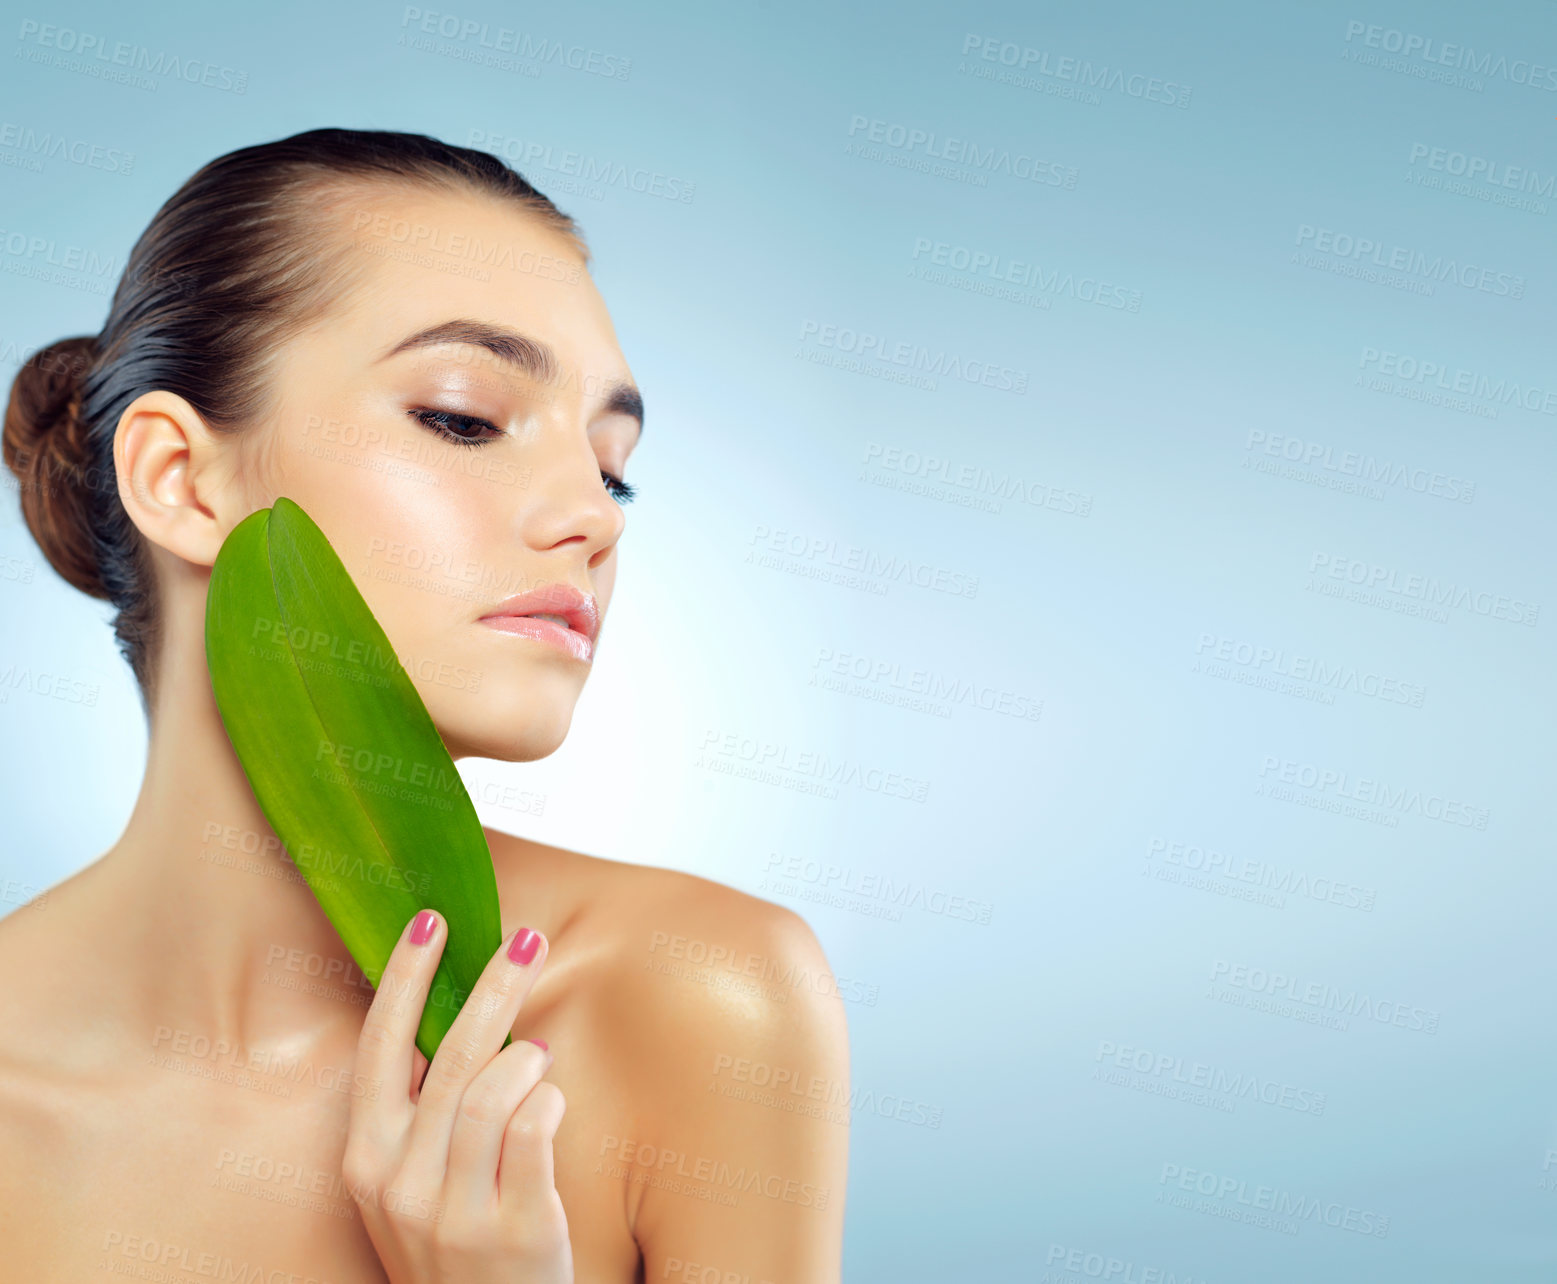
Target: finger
471,1042
525,1174
485,1109
386,1046
418,1073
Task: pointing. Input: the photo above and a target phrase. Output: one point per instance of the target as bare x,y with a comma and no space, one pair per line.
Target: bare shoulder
27,951
44,948
715,1061
50,1062
681,961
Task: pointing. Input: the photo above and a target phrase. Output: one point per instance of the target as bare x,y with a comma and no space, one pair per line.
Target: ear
173,480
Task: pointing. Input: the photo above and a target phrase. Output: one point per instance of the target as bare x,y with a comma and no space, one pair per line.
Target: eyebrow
531,356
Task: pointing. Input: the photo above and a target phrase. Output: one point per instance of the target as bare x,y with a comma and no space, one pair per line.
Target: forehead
417,259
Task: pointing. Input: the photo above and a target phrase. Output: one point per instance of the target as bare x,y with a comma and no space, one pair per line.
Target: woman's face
474,323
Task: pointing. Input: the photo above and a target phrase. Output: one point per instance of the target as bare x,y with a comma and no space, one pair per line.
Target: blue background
1171,481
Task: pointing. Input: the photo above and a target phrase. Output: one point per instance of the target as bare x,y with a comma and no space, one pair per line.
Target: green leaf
343,756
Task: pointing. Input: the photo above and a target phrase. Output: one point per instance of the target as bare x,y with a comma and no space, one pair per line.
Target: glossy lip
513,615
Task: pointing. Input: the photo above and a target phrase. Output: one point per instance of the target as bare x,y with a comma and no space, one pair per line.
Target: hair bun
45,446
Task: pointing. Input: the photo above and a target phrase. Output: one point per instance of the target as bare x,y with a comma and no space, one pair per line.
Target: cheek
429,548
416,537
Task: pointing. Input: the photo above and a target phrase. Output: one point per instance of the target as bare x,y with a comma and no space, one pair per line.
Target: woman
402,337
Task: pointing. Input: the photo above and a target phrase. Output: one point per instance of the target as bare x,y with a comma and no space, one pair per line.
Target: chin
506,721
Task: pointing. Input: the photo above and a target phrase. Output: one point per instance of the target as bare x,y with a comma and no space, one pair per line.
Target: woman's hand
453,1173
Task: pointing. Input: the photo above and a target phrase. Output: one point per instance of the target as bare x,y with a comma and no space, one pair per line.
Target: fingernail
524,945
422,927
539,1043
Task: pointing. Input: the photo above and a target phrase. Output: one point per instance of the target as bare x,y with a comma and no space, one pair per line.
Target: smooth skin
466,1143
183,1084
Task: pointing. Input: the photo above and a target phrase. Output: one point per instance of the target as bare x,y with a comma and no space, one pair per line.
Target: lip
515,615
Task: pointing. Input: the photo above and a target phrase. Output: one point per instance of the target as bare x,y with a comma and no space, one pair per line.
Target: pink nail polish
524,945
422,927
539,1043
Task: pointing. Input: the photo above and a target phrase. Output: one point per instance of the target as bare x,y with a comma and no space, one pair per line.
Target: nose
566,504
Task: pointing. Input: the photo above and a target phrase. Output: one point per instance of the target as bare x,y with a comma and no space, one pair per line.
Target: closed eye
461,430
452,427
622,492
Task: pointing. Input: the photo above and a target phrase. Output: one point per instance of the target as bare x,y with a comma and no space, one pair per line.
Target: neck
227,940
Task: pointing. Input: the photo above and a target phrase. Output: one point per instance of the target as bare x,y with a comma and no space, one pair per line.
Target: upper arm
743,1153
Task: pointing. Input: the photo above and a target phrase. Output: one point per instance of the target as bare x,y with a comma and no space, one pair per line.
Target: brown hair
228,269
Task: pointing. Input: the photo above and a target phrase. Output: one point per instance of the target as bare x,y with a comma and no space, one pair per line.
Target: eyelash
439,421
